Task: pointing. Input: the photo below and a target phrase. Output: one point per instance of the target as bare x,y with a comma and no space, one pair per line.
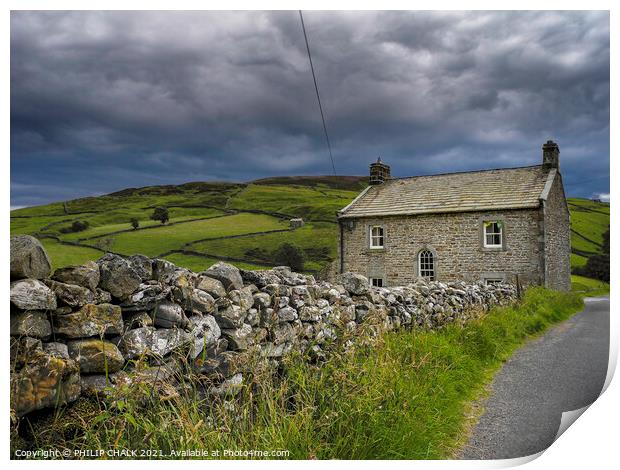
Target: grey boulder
211,286
90,320
239,339
262,300
28,258
85,275
118,276
33,323
229,315
148,340
146,298
141,265
243,298
59,350
31,294
138,342
102,296
205,333
71,295
227,274
193,300
355,284
169,315
260,278
289,277
96,356
162,270
167,340
43,382
287,314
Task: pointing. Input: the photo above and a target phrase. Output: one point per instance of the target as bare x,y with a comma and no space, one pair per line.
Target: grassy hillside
238,222
589,220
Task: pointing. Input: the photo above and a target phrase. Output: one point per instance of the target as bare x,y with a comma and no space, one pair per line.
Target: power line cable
318,96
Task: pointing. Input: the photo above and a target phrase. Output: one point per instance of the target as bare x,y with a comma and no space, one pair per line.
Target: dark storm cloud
105,100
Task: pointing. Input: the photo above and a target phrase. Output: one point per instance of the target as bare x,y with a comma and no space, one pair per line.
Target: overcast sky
101,101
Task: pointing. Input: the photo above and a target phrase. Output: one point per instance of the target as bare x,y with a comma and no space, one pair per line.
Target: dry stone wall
90,328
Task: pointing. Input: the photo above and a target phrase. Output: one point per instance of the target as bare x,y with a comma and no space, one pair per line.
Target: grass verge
407,396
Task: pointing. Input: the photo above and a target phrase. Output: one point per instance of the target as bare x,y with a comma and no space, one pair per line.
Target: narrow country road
563,370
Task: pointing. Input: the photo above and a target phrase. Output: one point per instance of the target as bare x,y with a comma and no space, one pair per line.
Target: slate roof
508,188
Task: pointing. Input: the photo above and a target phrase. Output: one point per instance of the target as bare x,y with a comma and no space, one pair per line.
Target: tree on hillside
135,223
76,226
79,226
606,248
291,256
597,266
161,214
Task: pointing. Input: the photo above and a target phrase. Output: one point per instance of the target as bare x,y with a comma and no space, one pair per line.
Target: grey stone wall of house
455,239
557,238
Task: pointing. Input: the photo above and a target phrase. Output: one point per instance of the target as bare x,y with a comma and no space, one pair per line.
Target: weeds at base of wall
405,397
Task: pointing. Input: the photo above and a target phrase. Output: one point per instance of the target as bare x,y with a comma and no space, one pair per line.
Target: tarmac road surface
563,370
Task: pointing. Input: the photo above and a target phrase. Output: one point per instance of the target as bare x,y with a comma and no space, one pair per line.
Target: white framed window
376,236
493,233
426,265
493,281
376,281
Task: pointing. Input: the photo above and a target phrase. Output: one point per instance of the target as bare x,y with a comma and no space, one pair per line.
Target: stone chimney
551,155
379,172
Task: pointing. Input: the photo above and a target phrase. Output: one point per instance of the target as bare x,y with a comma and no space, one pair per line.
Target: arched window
426,265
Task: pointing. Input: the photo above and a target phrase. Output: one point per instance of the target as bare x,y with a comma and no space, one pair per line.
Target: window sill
493,248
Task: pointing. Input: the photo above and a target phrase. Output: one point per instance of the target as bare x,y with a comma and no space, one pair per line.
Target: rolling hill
589,220
243,223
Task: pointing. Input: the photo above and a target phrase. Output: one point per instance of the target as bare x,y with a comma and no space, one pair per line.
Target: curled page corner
517,461
568,418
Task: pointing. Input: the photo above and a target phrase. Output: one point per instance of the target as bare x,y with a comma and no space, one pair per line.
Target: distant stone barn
502,225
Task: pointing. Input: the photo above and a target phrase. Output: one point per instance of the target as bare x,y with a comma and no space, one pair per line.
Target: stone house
500,225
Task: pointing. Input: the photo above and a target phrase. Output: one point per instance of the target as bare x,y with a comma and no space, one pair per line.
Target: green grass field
589,220
232,209
63,255
577,260
164,238
311,203
315,239
591,287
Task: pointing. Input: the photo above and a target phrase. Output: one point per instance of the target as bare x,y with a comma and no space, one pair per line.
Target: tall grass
404,397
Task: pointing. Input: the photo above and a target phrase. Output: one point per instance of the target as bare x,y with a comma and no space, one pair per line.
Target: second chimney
551,155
